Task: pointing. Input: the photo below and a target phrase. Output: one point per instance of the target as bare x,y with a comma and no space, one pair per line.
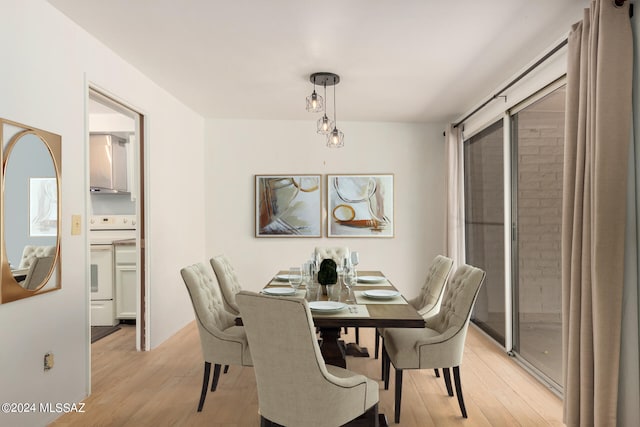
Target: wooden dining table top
381,315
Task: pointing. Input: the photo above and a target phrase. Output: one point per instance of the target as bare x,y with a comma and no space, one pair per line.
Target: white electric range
104,230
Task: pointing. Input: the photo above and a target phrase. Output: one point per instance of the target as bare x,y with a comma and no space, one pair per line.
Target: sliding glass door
537,162
484,224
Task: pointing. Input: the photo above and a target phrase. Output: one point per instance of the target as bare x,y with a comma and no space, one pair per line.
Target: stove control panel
112,222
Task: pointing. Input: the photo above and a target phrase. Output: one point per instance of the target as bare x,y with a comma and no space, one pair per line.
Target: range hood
108,166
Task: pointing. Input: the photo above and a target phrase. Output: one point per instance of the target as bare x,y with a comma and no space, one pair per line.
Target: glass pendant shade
325,124
315,103
335,139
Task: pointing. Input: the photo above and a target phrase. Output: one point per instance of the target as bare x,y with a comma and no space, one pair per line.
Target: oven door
101,272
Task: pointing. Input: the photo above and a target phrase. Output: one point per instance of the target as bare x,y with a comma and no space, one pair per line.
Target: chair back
294,385
428,301
228,281
336,253
38,272
457,302
31,252
222,341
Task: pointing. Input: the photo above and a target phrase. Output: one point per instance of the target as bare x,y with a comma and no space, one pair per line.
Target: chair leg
226,369
447,380
370,419
372,416
268,423
205,384
437,373
386,367
456,379
216,375
377,343
398,394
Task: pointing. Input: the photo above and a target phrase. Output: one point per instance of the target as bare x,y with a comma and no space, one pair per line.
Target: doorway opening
116,224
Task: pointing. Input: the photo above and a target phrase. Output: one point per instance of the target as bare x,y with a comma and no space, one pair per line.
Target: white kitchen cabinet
126,281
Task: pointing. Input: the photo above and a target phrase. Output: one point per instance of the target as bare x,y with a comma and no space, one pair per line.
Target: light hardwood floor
162,387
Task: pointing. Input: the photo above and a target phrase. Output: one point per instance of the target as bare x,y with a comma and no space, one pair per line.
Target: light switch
76,226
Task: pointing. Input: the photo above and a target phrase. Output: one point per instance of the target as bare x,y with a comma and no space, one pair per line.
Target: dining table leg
332,347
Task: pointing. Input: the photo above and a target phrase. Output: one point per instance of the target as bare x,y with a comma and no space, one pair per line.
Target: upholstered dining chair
428,301
441,343
336,253
223,343
38,270
31,252
295,387
228,281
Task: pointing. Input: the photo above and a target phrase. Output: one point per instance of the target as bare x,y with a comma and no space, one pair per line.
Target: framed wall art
288,206
43,207
360,205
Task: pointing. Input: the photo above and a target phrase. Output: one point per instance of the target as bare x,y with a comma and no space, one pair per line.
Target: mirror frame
10,290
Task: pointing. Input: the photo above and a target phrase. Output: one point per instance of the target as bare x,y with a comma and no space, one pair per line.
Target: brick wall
540,130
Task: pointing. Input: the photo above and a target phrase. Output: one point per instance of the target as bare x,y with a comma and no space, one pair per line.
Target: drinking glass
349,279
355,259
306,273
295,277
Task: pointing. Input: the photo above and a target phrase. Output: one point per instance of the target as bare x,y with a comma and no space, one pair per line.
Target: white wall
46,59
236,150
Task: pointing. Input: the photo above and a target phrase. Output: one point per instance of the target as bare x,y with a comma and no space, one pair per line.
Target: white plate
279,291
381,294
283,277
326,306
371,279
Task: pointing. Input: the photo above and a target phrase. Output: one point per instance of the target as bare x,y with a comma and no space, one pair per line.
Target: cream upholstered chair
336,253
428,301
39,268
223,343
295,387
441,343
228,281
31,252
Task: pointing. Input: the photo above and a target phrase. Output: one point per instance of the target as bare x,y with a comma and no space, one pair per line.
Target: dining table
378,304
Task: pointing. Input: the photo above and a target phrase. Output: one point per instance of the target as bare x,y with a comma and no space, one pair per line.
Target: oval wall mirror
30,227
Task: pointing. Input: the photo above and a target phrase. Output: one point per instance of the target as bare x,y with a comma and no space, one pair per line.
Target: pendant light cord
335,114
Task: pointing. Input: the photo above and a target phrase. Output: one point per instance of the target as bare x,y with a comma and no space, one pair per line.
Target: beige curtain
599,72
455,196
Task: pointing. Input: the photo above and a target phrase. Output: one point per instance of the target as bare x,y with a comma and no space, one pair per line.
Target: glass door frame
511,233
510,184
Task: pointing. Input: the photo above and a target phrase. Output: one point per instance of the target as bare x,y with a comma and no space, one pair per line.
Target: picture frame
43,207
360,205
288,205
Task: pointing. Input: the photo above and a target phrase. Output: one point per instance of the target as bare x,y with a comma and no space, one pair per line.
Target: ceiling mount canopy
317,104
324,78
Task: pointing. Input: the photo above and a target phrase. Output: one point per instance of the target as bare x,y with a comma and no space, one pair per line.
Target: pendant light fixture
315,103
336,138
326,126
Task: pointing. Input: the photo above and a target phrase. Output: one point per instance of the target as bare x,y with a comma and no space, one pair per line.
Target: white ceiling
399,60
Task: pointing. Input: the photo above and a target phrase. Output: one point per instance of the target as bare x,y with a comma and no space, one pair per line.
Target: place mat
361,299
350,311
